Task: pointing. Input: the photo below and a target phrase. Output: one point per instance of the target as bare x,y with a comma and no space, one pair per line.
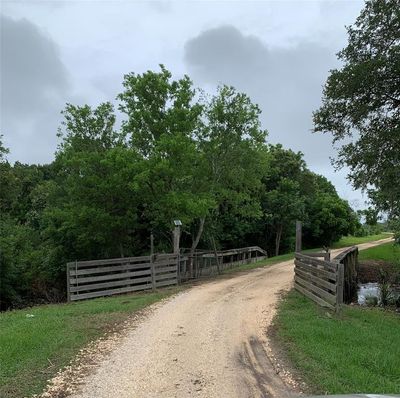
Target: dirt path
208,341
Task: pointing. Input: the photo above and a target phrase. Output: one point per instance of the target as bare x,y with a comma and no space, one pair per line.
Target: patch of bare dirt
369,270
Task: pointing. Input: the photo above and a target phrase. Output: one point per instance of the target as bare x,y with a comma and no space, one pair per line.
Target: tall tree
233,144
94,204
361,104
281,200
164,119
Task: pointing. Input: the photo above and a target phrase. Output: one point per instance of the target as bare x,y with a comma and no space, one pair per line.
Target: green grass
356,353
32,349
357,240
388,252
344,242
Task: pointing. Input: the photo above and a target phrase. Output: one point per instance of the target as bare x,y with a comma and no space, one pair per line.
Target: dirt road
208,341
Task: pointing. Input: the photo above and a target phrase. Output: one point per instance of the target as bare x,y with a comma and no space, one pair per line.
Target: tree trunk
216,255
194,245
278,239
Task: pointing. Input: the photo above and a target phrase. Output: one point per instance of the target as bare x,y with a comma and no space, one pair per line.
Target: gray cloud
285,82
35,85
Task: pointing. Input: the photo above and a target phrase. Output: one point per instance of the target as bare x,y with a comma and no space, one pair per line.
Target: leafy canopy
361,104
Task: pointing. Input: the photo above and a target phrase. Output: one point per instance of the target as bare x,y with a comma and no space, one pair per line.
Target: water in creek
366,291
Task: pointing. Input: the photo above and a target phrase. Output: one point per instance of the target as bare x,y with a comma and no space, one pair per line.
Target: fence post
153,273
339,286
177,235
69,284
298,236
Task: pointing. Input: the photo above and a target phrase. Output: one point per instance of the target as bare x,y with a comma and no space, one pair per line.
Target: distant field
357,240
387,252
32,349
358,352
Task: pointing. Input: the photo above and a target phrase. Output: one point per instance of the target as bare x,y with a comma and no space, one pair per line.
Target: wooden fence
320,280
206,263
349,259
89,279
327,282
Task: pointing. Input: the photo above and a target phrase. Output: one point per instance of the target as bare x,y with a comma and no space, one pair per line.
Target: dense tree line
178,154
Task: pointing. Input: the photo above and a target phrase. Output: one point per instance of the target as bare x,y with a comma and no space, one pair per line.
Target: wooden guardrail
349,259
330,283
206,263
89,279
320,280
96,278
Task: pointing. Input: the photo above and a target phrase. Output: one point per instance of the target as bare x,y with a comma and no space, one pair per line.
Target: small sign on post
298,236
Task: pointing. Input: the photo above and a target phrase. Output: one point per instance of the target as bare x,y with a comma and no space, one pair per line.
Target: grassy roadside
36,342
346,241
387,252
357,240
357,352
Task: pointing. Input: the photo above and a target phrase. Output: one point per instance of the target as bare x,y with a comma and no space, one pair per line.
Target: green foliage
361,104
178,155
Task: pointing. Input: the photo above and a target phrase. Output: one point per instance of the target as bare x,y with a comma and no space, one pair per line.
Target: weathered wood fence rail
327,282
206,263
89,279
349,259
96,278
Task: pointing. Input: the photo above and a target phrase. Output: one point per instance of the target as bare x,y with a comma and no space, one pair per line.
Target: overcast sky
278,52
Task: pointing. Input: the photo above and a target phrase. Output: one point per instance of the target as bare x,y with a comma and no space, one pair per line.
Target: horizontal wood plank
160,270
320,272
316,262
320,282
122,260
168,282
317,254
123,282
166,276
317,299
345,253
110,292
114,276
101,270
325,295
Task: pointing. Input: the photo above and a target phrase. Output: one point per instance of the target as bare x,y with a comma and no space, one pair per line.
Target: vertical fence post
153,273
68,283
339,286
177,235
298,236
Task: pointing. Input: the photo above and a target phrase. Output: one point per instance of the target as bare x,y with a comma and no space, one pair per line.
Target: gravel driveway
208,341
